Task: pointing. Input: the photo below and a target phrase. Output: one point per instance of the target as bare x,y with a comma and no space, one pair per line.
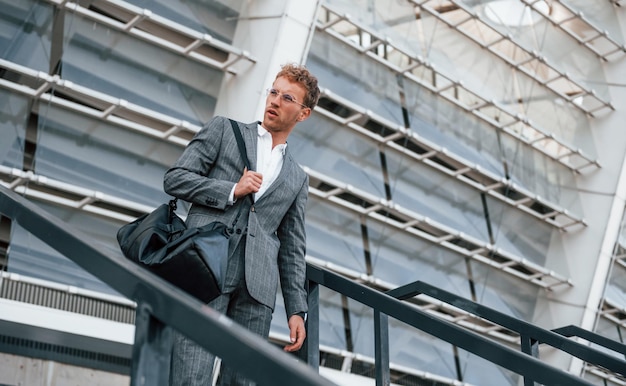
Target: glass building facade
475,145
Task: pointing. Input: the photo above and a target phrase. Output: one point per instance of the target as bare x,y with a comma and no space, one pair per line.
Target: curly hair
298,73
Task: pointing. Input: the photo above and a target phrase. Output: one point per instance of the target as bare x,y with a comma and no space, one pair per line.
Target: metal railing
385,305
160,305
531,336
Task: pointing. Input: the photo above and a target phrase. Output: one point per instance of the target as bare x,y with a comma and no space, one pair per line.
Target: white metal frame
600,43
424,73
138,21
452,165
532,64
613,312
402,219
98,105
60,193
606,376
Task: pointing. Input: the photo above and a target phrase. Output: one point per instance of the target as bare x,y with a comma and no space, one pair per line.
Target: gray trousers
191,364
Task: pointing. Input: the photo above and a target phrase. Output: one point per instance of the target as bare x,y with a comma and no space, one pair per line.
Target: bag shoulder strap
240,143
242,149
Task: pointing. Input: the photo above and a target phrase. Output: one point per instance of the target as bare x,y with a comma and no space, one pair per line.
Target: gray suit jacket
205,174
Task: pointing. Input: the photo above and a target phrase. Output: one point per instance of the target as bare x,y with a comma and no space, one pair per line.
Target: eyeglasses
284,97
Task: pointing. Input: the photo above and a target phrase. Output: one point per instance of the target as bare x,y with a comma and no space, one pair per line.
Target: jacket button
238,231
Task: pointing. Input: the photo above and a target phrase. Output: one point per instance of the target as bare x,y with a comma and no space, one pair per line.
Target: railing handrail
526,330
527,366
254,357
600,340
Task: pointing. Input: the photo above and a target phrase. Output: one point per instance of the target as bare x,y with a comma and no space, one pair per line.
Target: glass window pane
503,292
332,329
25,30
334,235
477,371
342,155
139,72
541,175
367,84
217,18
413,348
400,258
598,14
520,233
13,118
433,194
463,135
609,329
96,155
615,290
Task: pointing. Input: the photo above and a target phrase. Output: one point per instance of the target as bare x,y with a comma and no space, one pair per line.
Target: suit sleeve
291,257
188,179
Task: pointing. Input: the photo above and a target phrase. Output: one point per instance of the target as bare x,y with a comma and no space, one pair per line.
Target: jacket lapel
284,175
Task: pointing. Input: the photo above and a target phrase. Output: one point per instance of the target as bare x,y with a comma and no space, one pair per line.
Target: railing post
310,351
381,343
529,346
151,351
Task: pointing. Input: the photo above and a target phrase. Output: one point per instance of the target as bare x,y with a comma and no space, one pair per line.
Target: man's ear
304,114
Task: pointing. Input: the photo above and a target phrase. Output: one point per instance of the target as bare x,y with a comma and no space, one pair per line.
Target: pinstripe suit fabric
268,245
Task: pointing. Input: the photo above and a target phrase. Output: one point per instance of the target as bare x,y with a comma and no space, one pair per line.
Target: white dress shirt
269,162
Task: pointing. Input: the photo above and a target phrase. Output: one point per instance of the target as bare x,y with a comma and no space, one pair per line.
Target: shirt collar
262,133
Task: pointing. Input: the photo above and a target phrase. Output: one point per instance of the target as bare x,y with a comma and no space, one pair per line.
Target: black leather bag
192,259
195,259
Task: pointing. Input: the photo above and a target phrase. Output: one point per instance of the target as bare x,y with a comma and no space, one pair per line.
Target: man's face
283,106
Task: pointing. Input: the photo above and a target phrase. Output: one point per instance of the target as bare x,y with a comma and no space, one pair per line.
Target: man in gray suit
267,246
